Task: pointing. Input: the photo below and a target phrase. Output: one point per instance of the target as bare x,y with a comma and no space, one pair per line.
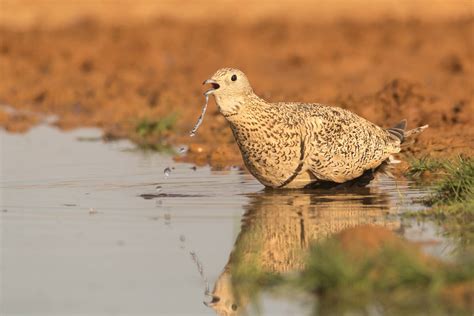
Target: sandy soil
114,68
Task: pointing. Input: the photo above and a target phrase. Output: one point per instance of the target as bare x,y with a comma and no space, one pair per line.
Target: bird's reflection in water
277,230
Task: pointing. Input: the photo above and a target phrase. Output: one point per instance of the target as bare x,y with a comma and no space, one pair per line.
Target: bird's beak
215,300
214,84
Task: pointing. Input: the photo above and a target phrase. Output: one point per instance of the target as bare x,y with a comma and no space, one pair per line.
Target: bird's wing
342,145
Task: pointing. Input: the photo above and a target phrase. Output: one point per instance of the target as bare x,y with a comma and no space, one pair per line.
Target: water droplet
158,188
167,172
182,238
182,150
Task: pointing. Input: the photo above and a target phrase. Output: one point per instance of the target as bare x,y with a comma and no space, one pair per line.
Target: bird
293,145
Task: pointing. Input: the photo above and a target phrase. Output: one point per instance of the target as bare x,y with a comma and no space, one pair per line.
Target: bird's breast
270,151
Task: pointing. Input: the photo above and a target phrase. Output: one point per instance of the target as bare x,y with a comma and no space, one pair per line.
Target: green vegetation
452,202
419,167
153,133
394,278
458,184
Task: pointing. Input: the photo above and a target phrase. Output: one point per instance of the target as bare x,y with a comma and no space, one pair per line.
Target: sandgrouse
298,145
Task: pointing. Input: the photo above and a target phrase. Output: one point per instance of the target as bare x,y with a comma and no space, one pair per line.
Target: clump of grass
153,133
458,184
452,202
147,126
418,167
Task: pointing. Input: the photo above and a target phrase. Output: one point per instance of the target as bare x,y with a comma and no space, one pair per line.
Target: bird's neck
234,106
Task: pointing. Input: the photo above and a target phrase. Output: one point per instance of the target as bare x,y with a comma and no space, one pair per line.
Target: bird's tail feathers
415,131
399,131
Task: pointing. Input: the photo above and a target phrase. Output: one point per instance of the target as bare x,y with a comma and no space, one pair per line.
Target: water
167,171
201,117
84,229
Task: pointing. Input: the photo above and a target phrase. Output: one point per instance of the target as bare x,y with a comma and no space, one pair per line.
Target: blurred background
134,68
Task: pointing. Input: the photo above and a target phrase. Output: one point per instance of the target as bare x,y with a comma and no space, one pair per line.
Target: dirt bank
125,77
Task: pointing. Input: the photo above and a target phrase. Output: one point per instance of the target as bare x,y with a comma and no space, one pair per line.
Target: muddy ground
118,74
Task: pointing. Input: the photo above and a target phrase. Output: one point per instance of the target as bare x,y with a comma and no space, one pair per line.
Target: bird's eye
233,78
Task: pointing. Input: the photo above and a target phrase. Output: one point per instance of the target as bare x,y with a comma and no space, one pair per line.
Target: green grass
452,201
418,167
454,181
153,133
458,184
146,126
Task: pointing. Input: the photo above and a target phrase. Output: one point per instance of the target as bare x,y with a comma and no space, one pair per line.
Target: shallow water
93,228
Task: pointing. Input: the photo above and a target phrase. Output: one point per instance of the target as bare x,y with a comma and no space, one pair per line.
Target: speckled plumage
293,145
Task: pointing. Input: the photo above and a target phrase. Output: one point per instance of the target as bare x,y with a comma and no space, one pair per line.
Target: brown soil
113,73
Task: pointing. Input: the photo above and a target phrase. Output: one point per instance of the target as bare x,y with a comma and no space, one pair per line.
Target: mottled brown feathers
293,145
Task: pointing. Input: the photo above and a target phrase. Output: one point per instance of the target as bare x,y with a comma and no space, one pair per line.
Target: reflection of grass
456,218
354,274
394,278
452,203
153,133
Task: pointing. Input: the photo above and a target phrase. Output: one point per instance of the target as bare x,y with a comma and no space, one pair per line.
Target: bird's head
230,87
